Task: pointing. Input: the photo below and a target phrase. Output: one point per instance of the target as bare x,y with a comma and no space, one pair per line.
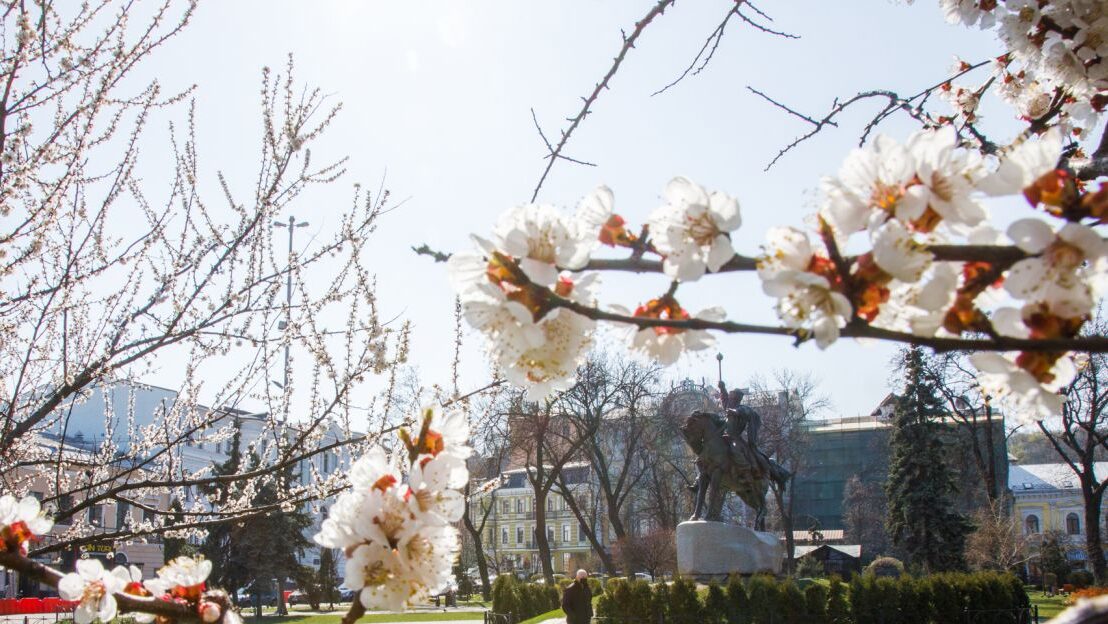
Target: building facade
509,537
1046,498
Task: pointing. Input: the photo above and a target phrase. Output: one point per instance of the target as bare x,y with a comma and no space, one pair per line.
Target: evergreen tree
328,575
175,546
921,520
256,550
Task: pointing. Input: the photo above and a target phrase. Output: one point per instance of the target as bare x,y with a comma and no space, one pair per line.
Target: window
519,535
504,535
582,530
519,505
96,515
565,532
550,533
1073,524
505,506
327,463
147,515
65,502
1032,524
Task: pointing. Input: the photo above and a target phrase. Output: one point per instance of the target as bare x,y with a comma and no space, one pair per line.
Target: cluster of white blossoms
182,581
398,532
906,199
94,588
1057,55
514,287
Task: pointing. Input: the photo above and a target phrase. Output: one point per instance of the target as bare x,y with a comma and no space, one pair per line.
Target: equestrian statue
728,459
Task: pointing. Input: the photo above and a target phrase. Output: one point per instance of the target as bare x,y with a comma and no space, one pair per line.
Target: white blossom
691,229
92,587
1029,399
1057,275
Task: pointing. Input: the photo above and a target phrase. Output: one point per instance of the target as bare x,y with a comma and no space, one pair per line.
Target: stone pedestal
716,549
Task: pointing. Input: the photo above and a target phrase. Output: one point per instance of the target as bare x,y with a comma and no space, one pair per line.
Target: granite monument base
708,550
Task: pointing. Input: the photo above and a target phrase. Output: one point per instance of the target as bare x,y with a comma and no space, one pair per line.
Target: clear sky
439,94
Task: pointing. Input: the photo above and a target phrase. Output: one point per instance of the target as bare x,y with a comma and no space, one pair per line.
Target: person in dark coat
577,600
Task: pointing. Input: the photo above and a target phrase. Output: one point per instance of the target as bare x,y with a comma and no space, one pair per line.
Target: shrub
946,600
809,567
762,590
838,609
504,599
886,566
659,603
715,605
790,603
640,598
913,599
595,586
815,604
684,604
738,604
1080,578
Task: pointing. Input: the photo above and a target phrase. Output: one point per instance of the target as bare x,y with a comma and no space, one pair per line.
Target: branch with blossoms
176,594
900,249
395,523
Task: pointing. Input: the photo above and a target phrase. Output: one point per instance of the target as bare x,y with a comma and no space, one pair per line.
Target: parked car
298,597
346,594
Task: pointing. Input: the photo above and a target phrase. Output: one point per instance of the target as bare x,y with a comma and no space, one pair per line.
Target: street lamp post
291,225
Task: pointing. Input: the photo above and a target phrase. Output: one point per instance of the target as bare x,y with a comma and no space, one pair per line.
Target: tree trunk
1093,544
787,526
540,537
479,550
590,534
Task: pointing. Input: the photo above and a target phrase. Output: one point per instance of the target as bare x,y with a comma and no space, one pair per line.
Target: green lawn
556,613
1049,606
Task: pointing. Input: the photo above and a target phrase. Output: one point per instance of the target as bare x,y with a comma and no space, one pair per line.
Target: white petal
1031,235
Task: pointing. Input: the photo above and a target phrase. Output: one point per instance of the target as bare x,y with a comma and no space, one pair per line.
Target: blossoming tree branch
903,246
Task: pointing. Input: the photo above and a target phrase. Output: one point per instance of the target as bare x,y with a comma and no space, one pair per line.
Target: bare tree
544,441
614,397
864,506
108,273
1078,434
655,552
786,404
973,411
999,542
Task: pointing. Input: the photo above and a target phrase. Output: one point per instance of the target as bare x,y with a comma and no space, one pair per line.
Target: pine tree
921,520
174,547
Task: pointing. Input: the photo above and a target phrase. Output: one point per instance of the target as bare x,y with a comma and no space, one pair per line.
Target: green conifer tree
921,519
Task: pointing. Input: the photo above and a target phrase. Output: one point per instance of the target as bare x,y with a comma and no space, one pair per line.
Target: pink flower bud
209,612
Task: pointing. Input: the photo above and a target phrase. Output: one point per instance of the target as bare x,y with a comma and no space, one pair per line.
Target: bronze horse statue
724,466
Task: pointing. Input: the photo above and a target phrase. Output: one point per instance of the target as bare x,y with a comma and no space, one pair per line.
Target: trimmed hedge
936,599
523,600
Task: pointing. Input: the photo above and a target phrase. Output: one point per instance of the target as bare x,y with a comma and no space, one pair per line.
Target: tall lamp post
291,225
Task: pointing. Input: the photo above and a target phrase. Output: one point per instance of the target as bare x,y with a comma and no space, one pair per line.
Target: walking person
577,600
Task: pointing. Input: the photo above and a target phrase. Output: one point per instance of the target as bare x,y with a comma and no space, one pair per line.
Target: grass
556,613
1049,606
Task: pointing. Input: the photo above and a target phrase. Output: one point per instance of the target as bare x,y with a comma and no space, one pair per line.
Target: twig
550,148
425,250
628,43
913,105
712,41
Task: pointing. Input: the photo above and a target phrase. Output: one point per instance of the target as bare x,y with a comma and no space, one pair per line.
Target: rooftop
1042,477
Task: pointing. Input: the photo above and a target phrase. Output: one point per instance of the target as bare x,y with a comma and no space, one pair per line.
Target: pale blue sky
439,95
